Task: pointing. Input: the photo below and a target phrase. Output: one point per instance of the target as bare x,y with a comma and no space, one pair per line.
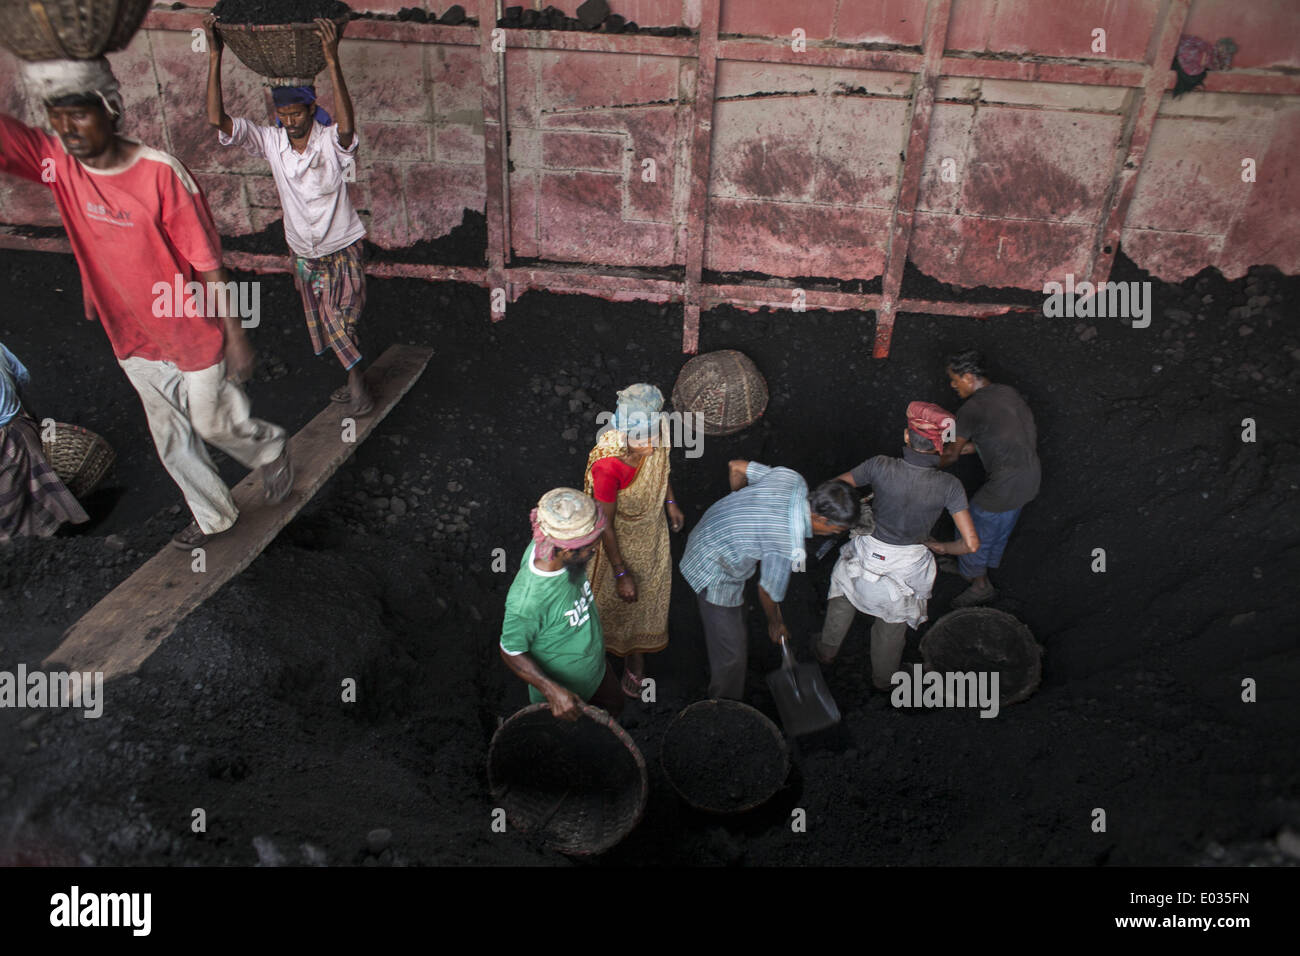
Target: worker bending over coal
33,501
309,155
766,519
890,572
551,636
138,222
995,422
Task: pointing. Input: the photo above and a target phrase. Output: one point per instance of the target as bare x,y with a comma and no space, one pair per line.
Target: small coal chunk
453,16
420,15
530,19
614,23
591,13
405,13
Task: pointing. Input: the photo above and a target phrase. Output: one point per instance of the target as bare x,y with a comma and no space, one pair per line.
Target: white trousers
185,409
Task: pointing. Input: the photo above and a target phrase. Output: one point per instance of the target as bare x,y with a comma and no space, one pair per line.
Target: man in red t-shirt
141,230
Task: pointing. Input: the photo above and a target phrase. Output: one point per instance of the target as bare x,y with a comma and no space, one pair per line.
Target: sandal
189,538
277,478
631,683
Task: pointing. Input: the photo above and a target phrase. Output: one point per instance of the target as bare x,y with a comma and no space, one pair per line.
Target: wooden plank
130,623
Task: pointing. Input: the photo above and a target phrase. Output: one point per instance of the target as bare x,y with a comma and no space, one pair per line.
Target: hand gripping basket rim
286,54
605,720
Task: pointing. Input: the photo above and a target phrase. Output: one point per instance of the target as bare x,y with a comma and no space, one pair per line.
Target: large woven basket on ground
986,639
725,387
288,54
69,29
724,756
578,785
79,457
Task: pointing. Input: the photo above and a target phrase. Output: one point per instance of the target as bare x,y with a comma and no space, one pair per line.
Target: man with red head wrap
889,572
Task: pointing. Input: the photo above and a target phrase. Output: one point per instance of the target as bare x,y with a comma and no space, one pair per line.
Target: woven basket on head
725,387
288,54
724,756
79,457
69,29
578,785
986,639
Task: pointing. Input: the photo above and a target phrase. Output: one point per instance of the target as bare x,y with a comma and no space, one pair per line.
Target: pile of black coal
280,11
592,16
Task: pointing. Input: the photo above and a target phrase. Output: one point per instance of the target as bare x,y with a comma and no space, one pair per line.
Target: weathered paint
820,162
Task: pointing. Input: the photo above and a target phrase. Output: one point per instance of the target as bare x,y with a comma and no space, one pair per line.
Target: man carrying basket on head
310,157
137,220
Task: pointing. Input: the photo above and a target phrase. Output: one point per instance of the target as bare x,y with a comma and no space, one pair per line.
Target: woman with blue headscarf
631,574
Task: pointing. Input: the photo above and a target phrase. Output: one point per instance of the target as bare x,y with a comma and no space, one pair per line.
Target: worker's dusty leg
220,411
887,642
727,643
162,390
839,618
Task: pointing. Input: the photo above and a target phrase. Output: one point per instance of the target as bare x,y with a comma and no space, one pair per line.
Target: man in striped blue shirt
766,520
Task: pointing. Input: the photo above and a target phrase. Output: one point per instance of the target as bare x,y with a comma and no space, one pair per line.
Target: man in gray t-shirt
909,495
996,423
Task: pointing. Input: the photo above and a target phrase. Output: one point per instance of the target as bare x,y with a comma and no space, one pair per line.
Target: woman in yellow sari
631,574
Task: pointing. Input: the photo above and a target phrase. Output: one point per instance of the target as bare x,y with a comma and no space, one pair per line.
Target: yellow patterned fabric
642,530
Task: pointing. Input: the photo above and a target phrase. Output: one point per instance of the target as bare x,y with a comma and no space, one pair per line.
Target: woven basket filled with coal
580,786
78,456
278,38
984,639
724,756
69,29
725,387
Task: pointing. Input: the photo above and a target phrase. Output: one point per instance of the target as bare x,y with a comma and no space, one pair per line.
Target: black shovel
802,698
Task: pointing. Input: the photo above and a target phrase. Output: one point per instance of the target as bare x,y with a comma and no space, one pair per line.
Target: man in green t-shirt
551,635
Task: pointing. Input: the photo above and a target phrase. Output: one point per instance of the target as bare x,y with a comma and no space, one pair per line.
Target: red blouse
609,476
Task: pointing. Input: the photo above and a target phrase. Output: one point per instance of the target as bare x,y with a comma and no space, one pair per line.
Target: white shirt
889,581
318,215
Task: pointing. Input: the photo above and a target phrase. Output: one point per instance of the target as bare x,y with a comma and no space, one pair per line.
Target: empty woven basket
724,756
69,29
986,639
725,387
578,785
288,54
79,457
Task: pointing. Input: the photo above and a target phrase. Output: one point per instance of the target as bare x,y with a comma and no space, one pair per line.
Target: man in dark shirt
889,573
996,423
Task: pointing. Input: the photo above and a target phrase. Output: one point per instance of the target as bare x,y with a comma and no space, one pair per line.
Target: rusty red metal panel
581,211
796,239
766,19
761,296
1038,164
846,57
1018,253
888,21
1034,71
593,151
938,15
701,138
1267,226
1135,138
1054,29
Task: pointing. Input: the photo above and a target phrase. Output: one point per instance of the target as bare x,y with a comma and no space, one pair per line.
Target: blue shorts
993,528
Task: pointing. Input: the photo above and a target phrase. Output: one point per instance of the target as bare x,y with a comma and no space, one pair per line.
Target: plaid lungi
333,291
33,501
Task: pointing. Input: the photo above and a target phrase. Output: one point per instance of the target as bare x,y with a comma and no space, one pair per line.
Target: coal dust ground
387,577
